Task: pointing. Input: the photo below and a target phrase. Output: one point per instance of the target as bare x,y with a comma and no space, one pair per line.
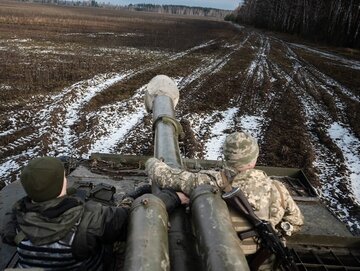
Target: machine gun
270,240
213,244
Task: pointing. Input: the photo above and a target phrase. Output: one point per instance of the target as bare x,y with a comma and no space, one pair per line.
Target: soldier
56,231
270,199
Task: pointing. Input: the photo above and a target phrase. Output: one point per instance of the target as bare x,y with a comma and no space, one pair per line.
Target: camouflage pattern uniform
179,179
270,199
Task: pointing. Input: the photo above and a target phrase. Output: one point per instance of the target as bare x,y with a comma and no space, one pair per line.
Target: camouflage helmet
240,149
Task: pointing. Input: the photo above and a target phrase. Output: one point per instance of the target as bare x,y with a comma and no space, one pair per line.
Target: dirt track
300,101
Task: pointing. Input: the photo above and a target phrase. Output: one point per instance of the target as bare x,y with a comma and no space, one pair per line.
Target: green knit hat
43,178
240,149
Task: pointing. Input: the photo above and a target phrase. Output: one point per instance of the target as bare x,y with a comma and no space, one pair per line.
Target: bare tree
336,21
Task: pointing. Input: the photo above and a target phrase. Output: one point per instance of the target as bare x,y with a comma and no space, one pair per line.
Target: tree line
86,3
334,21
180,10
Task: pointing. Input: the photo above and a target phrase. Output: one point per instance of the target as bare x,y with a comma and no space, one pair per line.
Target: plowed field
72,82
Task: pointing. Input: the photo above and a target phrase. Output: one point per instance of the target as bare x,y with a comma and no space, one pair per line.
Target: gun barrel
161,99
209,213
166,130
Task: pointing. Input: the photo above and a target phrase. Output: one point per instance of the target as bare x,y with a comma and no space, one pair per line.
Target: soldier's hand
183,198
138,192
286,228
126,202
170,198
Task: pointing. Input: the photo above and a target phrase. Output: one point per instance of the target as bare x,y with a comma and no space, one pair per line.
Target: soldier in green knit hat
53,230
270,199
56,231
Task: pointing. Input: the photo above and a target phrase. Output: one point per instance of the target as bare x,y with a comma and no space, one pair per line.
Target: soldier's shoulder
252,178
280,187
254,173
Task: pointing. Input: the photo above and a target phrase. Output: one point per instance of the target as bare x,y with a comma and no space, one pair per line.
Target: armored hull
324,243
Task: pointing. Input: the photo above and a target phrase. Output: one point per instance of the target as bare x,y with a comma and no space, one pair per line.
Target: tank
188,242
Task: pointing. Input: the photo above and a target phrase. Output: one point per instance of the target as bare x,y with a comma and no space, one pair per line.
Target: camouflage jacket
270,199
179,179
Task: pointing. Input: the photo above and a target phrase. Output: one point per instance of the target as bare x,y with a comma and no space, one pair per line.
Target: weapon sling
270,241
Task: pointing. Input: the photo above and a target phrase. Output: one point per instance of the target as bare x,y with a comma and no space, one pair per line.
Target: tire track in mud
140,134
345,62
337,161
255,74
215,64
261,88
211,128
61,108
54,122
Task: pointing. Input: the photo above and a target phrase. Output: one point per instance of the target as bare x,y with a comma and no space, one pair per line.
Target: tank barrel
166,130
217,241
161,98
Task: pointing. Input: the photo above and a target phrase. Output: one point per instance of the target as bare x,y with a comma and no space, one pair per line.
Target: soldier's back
257,187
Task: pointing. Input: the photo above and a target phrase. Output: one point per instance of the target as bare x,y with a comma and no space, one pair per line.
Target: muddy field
72,82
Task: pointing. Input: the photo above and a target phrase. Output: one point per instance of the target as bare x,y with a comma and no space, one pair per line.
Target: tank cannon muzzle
161,98
161,85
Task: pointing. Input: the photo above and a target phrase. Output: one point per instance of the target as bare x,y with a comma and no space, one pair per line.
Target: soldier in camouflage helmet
240,149
270,199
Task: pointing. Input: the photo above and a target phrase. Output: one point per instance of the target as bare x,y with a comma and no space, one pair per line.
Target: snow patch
117,127
352,64
96,34
252,125
350,147
5,87
213,146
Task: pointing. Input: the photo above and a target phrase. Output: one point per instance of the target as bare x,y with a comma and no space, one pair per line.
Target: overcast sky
222,4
